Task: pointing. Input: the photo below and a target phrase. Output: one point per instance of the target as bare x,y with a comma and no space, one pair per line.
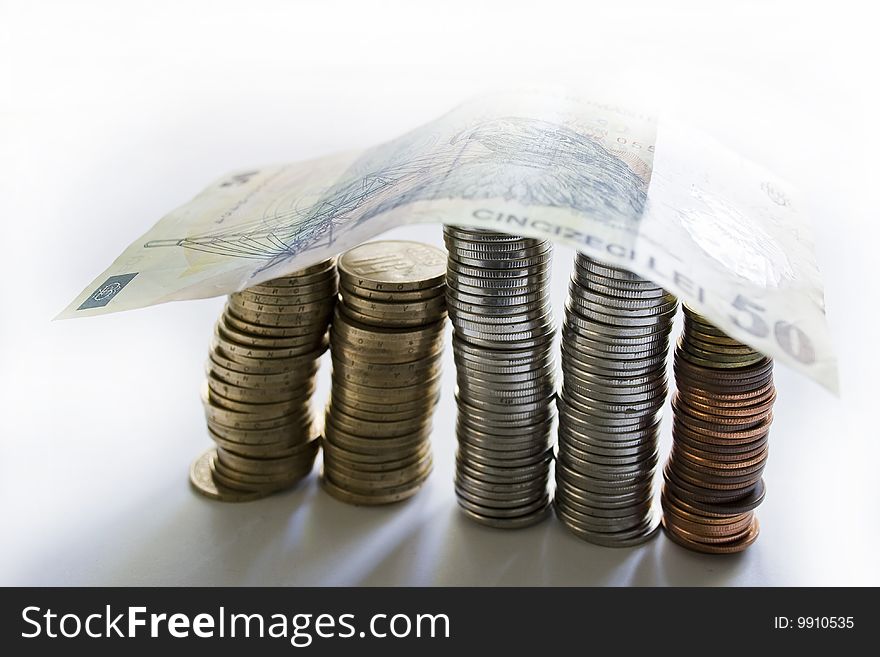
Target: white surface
113,113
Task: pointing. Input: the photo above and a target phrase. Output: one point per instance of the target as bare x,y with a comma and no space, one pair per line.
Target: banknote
659,198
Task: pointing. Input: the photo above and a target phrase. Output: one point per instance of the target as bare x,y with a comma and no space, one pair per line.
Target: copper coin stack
722,412
614,346
260,379
503,330
386,346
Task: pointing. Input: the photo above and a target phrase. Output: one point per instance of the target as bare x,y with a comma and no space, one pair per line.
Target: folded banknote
661,199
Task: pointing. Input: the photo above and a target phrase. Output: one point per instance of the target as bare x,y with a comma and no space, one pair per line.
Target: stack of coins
722,412
260,379
386,344
503,330
614,345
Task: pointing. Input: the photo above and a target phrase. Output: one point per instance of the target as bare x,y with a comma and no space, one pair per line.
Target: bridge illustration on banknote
533,162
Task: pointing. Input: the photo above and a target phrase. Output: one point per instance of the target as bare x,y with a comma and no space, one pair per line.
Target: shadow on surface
305,537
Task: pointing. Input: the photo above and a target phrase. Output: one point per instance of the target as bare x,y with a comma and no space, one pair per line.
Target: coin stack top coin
386,345
722,412
260,379
503,343
614,345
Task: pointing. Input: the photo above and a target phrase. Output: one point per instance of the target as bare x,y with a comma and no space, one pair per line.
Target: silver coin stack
386,345
614,345
503,330
260,379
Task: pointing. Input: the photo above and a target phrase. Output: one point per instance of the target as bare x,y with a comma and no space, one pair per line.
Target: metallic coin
320,267
523,258
274,303
599,286
520,522
532,332
300,331
531,488
373,336
256,395
262,483
385,346
536,340
583,300
518,275
386,496
489,327
616,286
295,307
307,317
326,284
502,263
244,365
537,477
621,328
287,289
532,426
499,510
269,466
348,359
393,266
350,288
202,479
471,234
385,377
356,479
590,342
529,455
594,267
632,537
393,308
492,370
277,380
499,287
385,393
375,462
688,540
512,249
499,447
505,356
636,440
372,429
715,360
400,320
390,353
476,499
229,344
379,416
260,378
614,344
586,501
498,303
313,339
722,414
256,410
391,448
268,450
248,421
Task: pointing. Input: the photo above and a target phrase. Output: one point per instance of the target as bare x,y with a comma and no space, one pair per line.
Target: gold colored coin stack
615,342
260,379
386,344
722,412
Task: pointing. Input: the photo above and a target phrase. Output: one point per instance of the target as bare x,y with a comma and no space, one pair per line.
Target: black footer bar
426,621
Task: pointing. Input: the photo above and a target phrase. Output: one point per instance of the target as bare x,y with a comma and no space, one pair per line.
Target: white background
112,113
